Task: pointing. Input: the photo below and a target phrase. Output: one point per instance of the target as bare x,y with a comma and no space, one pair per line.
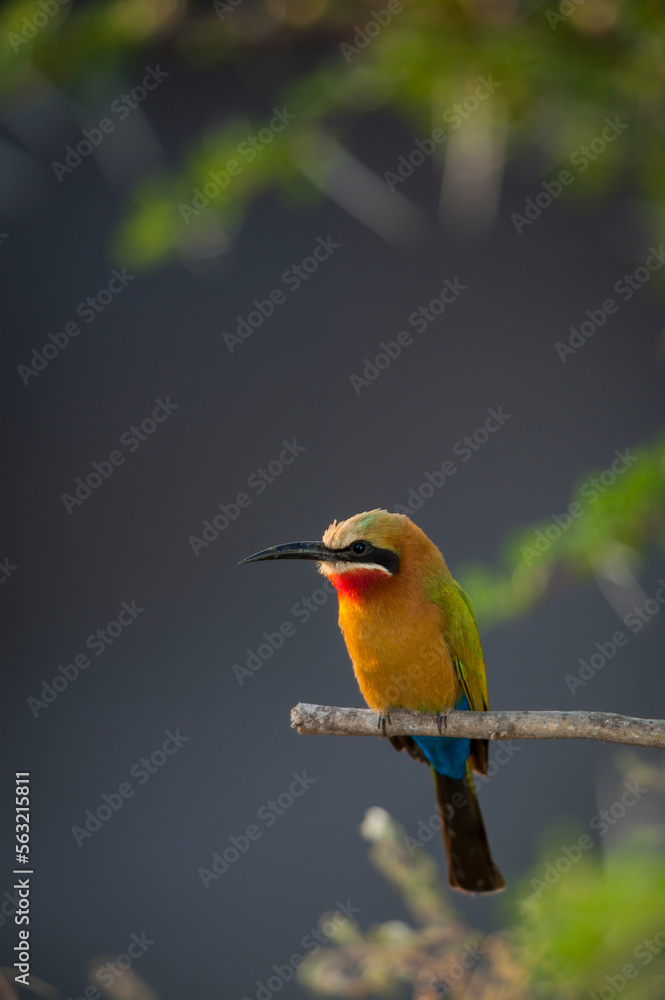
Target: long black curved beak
294,550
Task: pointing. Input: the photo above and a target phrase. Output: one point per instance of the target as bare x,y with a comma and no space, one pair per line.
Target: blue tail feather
447,754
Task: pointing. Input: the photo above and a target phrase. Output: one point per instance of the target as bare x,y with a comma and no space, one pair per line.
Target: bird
412,637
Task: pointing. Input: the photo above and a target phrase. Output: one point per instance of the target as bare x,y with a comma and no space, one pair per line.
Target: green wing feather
461,635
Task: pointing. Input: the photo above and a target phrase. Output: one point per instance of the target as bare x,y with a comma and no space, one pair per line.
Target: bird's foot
441,720
382,719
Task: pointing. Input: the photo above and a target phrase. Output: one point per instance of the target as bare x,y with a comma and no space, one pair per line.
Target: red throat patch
357,583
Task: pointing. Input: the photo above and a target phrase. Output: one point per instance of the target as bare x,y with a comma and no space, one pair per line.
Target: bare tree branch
604,726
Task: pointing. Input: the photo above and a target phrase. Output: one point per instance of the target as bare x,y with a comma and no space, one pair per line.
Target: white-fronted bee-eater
413,641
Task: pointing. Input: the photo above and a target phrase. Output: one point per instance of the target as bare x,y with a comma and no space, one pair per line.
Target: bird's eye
359,547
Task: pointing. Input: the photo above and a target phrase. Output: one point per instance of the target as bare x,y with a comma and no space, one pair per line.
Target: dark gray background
174,666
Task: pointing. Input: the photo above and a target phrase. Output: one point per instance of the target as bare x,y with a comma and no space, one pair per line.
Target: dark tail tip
470,864
464,878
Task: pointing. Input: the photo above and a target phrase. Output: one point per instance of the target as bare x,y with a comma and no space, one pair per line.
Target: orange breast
395,639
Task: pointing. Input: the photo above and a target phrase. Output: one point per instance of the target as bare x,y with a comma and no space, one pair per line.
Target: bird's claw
441,720
382,719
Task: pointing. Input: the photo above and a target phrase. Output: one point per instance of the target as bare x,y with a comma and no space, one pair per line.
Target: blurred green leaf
557,79
616,521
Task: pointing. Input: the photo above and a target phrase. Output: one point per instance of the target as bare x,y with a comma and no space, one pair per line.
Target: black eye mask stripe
380,557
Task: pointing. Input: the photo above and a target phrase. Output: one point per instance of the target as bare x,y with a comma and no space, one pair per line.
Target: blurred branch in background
580,928
574,926
393,955
492,78
614,518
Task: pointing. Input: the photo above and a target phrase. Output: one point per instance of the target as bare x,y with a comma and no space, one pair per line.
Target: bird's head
368,549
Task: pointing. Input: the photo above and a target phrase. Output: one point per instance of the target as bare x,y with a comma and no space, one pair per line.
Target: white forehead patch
342,533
